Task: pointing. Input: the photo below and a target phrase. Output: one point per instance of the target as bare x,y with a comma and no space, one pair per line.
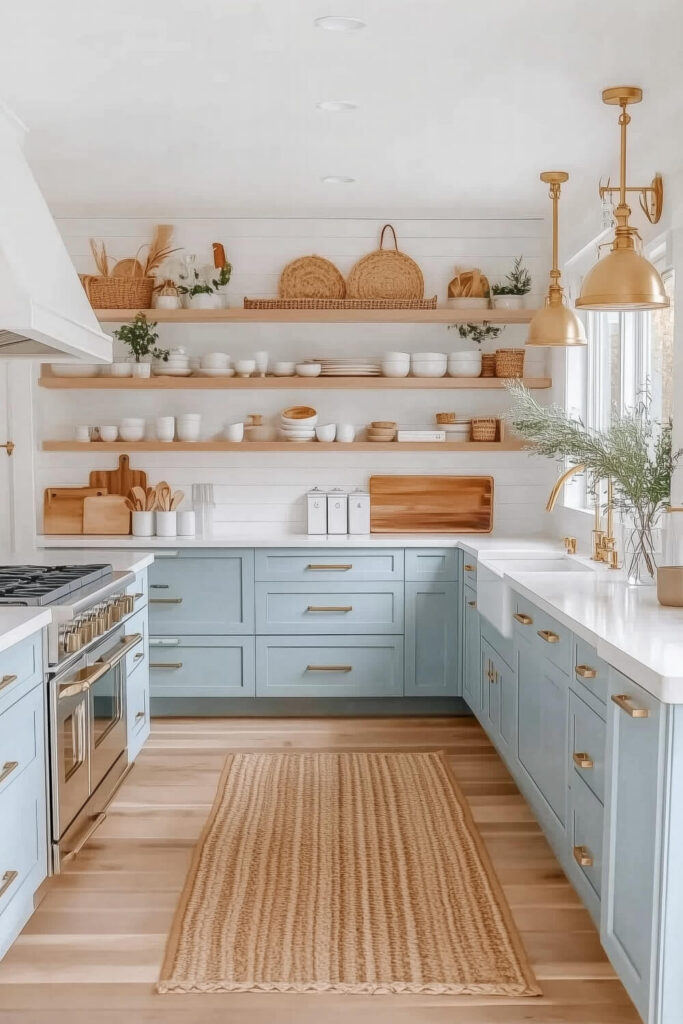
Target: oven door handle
127,644
76,686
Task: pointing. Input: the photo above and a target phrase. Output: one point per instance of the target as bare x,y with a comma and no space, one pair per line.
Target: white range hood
44,311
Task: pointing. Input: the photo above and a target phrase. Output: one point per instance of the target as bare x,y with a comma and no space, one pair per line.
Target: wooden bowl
299,412
383,425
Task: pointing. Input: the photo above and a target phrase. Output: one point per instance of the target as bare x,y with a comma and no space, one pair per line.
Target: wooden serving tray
431,504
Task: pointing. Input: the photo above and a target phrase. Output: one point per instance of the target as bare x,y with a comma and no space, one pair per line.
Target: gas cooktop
46,584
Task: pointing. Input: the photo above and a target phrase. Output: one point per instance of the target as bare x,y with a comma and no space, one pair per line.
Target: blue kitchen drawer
328,565
585,835
549,638
431,565
21,667
137,656
22,739
469,570
355,666
432,649
587,736
137,711
203,592
590,670
285,608
190,666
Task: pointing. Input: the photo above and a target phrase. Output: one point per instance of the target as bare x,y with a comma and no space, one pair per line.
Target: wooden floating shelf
238,315
93,447
285,383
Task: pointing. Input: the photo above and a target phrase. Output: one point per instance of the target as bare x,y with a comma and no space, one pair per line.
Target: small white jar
185,523
143,524
166,523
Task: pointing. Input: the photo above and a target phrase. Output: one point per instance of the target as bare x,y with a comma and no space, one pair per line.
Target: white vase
203,301
507,301
166,523
141,369
221,296
143,524
168,302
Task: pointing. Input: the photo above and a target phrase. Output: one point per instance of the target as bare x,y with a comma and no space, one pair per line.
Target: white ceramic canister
316,501
166,523
359,512
143,524
337,511
185,522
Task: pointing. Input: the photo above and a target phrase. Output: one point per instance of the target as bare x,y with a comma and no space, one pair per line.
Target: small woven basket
311,277
510,362
484,428
445,417
488,364
385,274
118,292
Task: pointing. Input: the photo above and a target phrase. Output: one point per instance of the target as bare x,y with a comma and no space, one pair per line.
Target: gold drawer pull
7,769
160,586
329,568
330,608
329,668
525,620
136,597
586,672
582,760
165,600
165,664
583,856
548,636
136,657
6,681
6,881
469,568
472,604
623,701
140,715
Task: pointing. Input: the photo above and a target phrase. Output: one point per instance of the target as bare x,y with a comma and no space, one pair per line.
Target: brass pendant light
555,325
624,279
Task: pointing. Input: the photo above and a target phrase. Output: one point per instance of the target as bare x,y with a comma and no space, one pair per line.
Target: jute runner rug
343,872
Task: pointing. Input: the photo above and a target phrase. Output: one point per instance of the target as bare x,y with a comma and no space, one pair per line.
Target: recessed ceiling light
337,179
336,106
334,23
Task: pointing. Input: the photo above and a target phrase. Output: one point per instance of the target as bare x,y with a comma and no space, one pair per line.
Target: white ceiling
208,106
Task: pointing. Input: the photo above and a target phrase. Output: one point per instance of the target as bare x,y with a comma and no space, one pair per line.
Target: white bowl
187,431
133,421
215,361
430,356
308,421
326,432
234,432
395,369
245,367
189,417
430,367
308,369
131,433
395,357
464,370
109,433
283,369
468,302
120,369
75,369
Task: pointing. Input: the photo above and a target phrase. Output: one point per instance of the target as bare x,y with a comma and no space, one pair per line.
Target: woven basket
510,362
484,428
340,304
488,364
385,274
445,417
118,292
311,277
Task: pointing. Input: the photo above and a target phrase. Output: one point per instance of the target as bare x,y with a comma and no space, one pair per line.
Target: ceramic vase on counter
141,370
166,523
143,524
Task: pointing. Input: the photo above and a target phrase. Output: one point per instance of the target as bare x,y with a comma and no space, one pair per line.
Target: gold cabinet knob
525,620
548,636
582,760
583,856
585,672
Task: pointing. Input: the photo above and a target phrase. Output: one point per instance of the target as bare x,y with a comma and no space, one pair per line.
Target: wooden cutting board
63,508
107,514
119,481
431,504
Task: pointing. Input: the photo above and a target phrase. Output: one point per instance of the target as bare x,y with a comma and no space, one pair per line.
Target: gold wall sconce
625,280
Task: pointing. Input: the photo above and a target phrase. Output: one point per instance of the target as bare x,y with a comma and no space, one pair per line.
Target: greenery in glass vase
635,452
141,339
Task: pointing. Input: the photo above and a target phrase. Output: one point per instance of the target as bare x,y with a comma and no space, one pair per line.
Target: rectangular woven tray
340,303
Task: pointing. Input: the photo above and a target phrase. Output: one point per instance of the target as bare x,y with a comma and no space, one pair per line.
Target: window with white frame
627,353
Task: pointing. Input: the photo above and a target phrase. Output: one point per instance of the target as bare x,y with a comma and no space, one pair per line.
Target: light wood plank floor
92,951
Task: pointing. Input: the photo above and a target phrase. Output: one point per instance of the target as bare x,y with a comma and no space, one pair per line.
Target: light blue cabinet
23,786
328,565
499,704
360,666
202,591
431,639
315,608
431,565
192,666
137,674
471,659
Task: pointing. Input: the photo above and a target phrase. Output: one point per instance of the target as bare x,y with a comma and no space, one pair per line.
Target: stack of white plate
355,366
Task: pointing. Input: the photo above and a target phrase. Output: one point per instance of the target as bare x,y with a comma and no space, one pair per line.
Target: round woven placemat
311,277
385,274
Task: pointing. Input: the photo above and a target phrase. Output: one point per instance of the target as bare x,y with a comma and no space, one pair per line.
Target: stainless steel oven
88,749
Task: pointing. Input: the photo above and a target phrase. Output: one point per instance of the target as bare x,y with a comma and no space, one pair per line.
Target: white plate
170,372
214,373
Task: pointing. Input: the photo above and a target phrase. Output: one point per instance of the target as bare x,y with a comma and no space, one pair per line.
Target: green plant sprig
141,338
518,280
477,332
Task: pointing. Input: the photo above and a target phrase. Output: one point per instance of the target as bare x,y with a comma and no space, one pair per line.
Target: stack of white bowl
132,429
396,364
464,364
216,364
177,364
298,429
188,426
429,364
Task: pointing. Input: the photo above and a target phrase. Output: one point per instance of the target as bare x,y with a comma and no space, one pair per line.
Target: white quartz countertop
18,623
128,559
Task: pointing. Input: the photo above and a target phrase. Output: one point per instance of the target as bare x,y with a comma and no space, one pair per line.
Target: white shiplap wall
269,487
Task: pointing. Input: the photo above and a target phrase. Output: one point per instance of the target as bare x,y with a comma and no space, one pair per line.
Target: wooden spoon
131,505
164,492
177,498
150,499
139,497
